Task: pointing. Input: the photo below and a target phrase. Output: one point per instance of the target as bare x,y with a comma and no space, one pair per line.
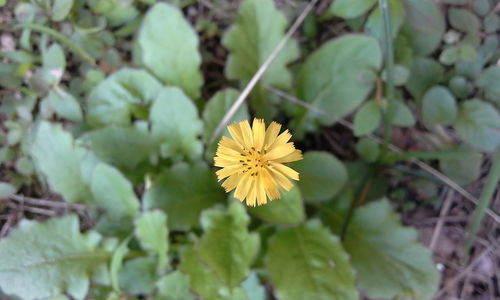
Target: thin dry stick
232,110
442,215
47,203
394,148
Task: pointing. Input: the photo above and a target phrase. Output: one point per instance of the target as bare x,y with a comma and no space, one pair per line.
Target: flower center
253,161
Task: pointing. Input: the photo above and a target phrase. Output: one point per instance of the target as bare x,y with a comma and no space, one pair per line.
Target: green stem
389,71
484,201
60,37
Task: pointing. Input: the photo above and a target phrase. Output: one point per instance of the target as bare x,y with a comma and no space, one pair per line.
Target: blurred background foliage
107,112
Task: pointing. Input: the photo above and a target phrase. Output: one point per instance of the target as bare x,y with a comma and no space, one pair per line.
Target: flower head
252,162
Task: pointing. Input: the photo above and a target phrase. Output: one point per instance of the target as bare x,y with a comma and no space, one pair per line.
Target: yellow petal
224,162
280,151
259,133
231,183
252,195
235,131
229,143
261,192
271,133
281,179
270,185
289,172
243,187
294,156
246,132
228,171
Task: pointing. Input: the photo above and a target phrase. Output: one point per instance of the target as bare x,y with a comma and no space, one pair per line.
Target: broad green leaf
174,286
389,261
375,23
65,104
57,158
121,146
308,262
60,9
489,81
215,110
367,119
460,86
175,123
54,257
133,283
258,29
439,106
168,47
491,23
152,232
114,100
6,189
403,116
183,191
114,193
286,211
349,9
425,38
368,149
463,20
322,176
202,279
337,78
464,170
478,124
253,288
424,74
226,246
54,63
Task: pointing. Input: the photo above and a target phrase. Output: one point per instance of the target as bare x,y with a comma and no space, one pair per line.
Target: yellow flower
252,162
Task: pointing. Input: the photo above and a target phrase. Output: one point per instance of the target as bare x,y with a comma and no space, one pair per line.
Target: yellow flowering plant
253,161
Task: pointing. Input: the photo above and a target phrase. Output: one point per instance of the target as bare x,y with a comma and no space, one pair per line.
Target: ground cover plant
363,161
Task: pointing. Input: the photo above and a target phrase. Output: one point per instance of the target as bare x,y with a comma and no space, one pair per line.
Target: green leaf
424,74
114,99
61,9
386,255
183,191
375,23
53,256
464,169
174,286
57,158
439,106
450,55
54,63
460,86
226,246
322,176
403,116
168,46
214,112
349,9
258,30
491,23
121,146
338,93
478,124
65,104
116,263
152,232
367,118
424,39
489,82
114,193
6,189
463,20
133,283
308,262
253,288
368,149
203,281
175,123
286,211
